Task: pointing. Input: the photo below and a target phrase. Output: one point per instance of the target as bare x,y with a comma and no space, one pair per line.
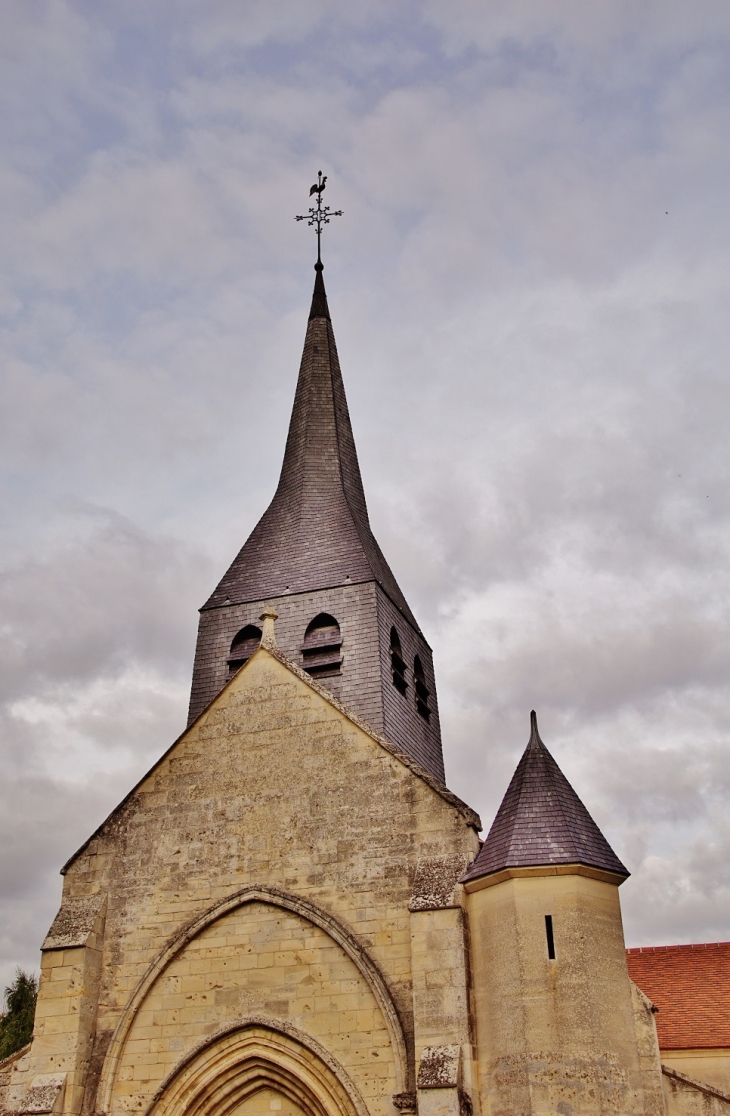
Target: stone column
66,1011
441,997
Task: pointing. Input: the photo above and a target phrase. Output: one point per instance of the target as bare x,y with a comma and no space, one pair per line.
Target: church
291,914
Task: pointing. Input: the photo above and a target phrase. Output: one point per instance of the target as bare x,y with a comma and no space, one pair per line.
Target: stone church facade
291,913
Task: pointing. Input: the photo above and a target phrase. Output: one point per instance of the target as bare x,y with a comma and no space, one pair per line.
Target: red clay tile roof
690,984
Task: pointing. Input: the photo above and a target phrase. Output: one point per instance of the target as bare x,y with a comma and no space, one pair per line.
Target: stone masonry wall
256,961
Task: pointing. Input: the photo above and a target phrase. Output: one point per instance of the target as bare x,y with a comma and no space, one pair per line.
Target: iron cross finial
319,215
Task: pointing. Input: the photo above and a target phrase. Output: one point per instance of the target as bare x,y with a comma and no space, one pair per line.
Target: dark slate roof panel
542,822
316,531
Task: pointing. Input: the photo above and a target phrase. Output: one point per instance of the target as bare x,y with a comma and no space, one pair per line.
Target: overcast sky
530,292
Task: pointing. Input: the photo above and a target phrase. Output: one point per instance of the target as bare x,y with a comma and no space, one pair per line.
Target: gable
267,697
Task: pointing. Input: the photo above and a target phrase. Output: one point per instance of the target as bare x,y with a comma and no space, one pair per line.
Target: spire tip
319,308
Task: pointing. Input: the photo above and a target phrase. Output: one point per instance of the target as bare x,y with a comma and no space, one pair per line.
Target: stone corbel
45,1095
440,1067
75,923
436,882
440,1092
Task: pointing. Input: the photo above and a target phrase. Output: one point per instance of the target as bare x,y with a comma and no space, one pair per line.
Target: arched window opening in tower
397,664
321,650
243,646
422,691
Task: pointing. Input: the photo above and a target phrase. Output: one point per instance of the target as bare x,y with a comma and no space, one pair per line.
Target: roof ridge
682,945
559,782
519,791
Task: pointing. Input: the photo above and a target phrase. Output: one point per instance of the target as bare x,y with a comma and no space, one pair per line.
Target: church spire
314,558
316,531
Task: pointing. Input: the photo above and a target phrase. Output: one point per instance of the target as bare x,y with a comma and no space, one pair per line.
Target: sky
530,292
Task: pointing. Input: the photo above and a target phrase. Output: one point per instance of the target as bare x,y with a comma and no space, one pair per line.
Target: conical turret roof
542,822
316,532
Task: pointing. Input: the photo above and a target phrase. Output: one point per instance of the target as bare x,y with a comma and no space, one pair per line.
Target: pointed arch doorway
258,1068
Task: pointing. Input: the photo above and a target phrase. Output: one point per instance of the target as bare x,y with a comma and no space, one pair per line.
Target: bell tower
312,555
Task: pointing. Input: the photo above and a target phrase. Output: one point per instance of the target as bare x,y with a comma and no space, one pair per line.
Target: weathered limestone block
50,1076
436,883
440,1091
443,1032
45,1095
14,1080
68,997
441,1016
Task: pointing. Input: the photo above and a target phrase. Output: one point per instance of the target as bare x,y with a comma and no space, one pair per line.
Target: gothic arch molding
275,897
254,1053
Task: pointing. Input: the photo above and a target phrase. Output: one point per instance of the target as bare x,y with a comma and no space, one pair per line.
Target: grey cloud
101,599
42,822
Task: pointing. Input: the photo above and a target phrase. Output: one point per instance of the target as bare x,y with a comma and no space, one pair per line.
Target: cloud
529,292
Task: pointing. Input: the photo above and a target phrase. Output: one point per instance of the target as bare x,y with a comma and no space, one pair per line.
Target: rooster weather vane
319,215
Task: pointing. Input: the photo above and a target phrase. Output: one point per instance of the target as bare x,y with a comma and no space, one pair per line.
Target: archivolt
277,898
254,1054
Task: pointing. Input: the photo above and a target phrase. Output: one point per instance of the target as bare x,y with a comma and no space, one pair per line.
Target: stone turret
554,1006
313,556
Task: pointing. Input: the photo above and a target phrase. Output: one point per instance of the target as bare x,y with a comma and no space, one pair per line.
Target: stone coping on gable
701,1086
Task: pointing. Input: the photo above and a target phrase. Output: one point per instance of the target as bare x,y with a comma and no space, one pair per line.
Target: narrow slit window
422,691
322,647
397,663
550,936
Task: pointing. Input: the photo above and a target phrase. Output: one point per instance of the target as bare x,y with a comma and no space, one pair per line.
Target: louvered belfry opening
422,691
321,650
397,664
243,646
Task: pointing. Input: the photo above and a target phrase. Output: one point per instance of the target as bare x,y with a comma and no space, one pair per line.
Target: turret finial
267,618
535,740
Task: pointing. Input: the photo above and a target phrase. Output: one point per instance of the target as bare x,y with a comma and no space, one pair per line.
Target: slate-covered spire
542,822
316,532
